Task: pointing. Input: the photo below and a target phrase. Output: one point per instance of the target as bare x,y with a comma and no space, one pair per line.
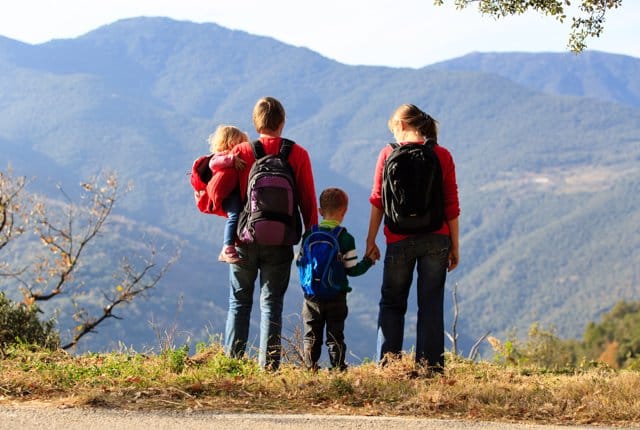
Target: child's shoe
229,255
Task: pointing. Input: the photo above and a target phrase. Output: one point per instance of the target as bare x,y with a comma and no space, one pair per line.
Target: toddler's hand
238,163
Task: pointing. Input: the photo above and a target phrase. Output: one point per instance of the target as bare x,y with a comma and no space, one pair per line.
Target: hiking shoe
229,255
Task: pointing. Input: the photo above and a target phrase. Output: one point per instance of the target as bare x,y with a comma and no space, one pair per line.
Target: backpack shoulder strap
285,148
394,145
258,149
336,232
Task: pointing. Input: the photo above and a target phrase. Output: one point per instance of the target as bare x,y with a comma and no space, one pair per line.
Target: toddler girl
221,142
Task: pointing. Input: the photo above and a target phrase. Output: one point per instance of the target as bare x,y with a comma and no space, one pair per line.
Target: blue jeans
274,266
232,205
430,253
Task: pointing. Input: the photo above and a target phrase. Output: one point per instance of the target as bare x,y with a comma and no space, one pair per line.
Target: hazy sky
402,33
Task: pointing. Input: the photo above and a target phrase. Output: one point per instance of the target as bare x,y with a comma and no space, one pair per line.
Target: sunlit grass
210,380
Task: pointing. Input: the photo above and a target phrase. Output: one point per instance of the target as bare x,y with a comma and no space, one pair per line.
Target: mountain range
546,149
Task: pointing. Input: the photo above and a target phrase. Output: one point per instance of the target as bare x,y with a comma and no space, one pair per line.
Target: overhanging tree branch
587,21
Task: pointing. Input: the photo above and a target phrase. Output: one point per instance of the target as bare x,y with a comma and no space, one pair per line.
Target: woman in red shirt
433,253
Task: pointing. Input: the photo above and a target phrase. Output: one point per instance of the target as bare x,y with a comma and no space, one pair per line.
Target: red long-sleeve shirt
223,181
301,165
449,184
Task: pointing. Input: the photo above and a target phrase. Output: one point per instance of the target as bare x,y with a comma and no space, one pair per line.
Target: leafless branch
133,283
11,191
293,346
64,244
473,353
66,230
453,336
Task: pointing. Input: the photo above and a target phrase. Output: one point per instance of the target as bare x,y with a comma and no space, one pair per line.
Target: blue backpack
320,263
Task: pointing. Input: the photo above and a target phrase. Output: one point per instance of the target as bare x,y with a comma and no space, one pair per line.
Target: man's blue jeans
273,264
429,253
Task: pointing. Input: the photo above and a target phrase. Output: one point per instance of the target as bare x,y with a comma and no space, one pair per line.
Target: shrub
176,358
543,349
616,338
19,324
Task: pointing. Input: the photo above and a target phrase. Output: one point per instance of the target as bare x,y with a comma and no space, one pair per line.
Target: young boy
316,312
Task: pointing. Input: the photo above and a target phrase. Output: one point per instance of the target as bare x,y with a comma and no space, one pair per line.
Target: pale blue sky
399,33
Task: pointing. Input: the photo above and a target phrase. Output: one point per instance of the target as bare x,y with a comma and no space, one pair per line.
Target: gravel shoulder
43,416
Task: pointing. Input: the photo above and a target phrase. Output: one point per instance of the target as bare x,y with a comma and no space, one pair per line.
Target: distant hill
590,74
546,148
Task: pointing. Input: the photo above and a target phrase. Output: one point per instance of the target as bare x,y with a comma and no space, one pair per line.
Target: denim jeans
273,264
429,252
232,205
316,315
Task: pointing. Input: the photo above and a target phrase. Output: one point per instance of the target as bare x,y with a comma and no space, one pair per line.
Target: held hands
372,252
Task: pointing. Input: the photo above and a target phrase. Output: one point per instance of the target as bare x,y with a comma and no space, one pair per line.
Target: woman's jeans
273,263
429,252
232,205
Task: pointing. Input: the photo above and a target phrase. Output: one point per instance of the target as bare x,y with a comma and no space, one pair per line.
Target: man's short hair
268,114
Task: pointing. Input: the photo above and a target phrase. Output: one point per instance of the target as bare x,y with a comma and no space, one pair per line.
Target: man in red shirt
272,261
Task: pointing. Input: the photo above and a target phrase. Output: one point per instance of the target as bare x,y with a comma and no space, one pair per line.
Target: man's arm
306,190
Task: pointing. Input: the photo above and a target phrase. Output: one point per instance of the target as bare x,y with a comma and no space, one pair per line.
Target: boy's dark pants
315,315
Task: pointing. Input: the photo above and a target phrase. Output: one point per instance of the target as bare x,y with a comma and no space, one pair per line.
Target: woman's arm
375,219
454,252
306,188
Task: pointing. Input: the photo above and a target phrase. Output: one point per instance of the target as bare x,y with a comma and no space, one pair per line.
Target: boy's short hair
333,199
268,114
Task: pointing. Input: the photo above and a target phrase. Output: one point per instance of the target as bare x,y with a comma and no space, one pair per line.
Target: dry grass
212,381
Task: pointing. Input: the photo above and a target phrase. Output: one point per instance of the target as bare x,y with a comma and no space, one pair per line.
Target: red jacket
449,184
301,165
223,181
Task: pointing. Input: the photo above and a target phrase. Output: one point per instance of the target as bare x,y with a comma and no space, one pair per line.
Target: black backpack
412,195
271,215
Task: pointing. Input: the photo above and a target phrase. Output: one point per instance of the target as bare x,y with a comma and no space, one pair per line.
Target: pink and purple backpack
271,215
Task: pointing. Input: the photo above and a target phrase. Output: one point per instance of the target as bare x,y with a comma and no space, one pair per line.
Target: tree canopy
587,16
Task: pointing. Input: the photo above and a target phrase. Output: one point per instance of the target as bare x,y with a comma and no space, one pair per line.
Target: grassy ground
211,381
